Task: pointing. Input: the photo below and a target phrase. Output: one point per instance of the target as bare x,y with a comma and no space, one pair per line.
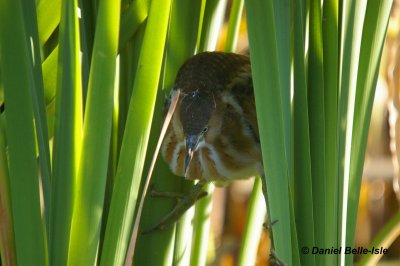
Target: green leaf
268,67
331,60
7,240
302,178
235,18
39,107
373,36
132,18
30,237
93,164
48,15
67,131
316,113
253,229
136,135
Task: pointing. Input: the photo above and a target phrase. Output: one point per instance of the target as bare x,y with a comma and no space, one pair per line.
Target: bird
213,135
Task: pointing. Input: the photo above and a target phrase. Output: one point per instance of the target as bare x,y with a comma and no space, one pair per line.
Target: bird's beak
191,144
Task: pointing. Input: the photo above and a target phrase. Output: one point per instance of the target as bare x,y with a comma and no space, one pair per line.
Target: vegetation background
82,89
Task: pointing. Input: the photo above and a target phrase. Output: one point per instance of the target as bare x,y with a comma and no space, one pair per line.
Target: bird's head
215,99
197,112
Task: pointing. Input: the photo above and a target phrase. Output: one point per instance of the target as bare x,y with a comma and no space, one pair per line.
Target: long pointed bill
191,145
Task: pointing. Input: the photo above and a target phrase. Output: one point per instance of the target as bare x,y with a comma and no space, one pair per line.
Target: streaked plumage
214,127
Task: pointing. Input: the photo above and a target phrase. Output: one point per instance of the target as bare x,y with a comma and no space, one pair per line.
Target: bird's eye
194,94
204,131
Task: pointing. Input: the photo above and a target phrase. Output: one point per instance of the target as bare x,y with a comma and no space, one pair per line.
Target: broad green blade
50,70
302,179
201,226
254,225
7,240
67,132
330,54
316,113
267,68
29,230
48,18
351,28
136,135
373,36
131,19
93,165
49,67
282,38
39,106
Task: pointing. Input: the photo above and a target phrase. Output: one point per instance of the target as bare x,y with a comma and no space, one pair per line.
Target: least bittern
213,135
